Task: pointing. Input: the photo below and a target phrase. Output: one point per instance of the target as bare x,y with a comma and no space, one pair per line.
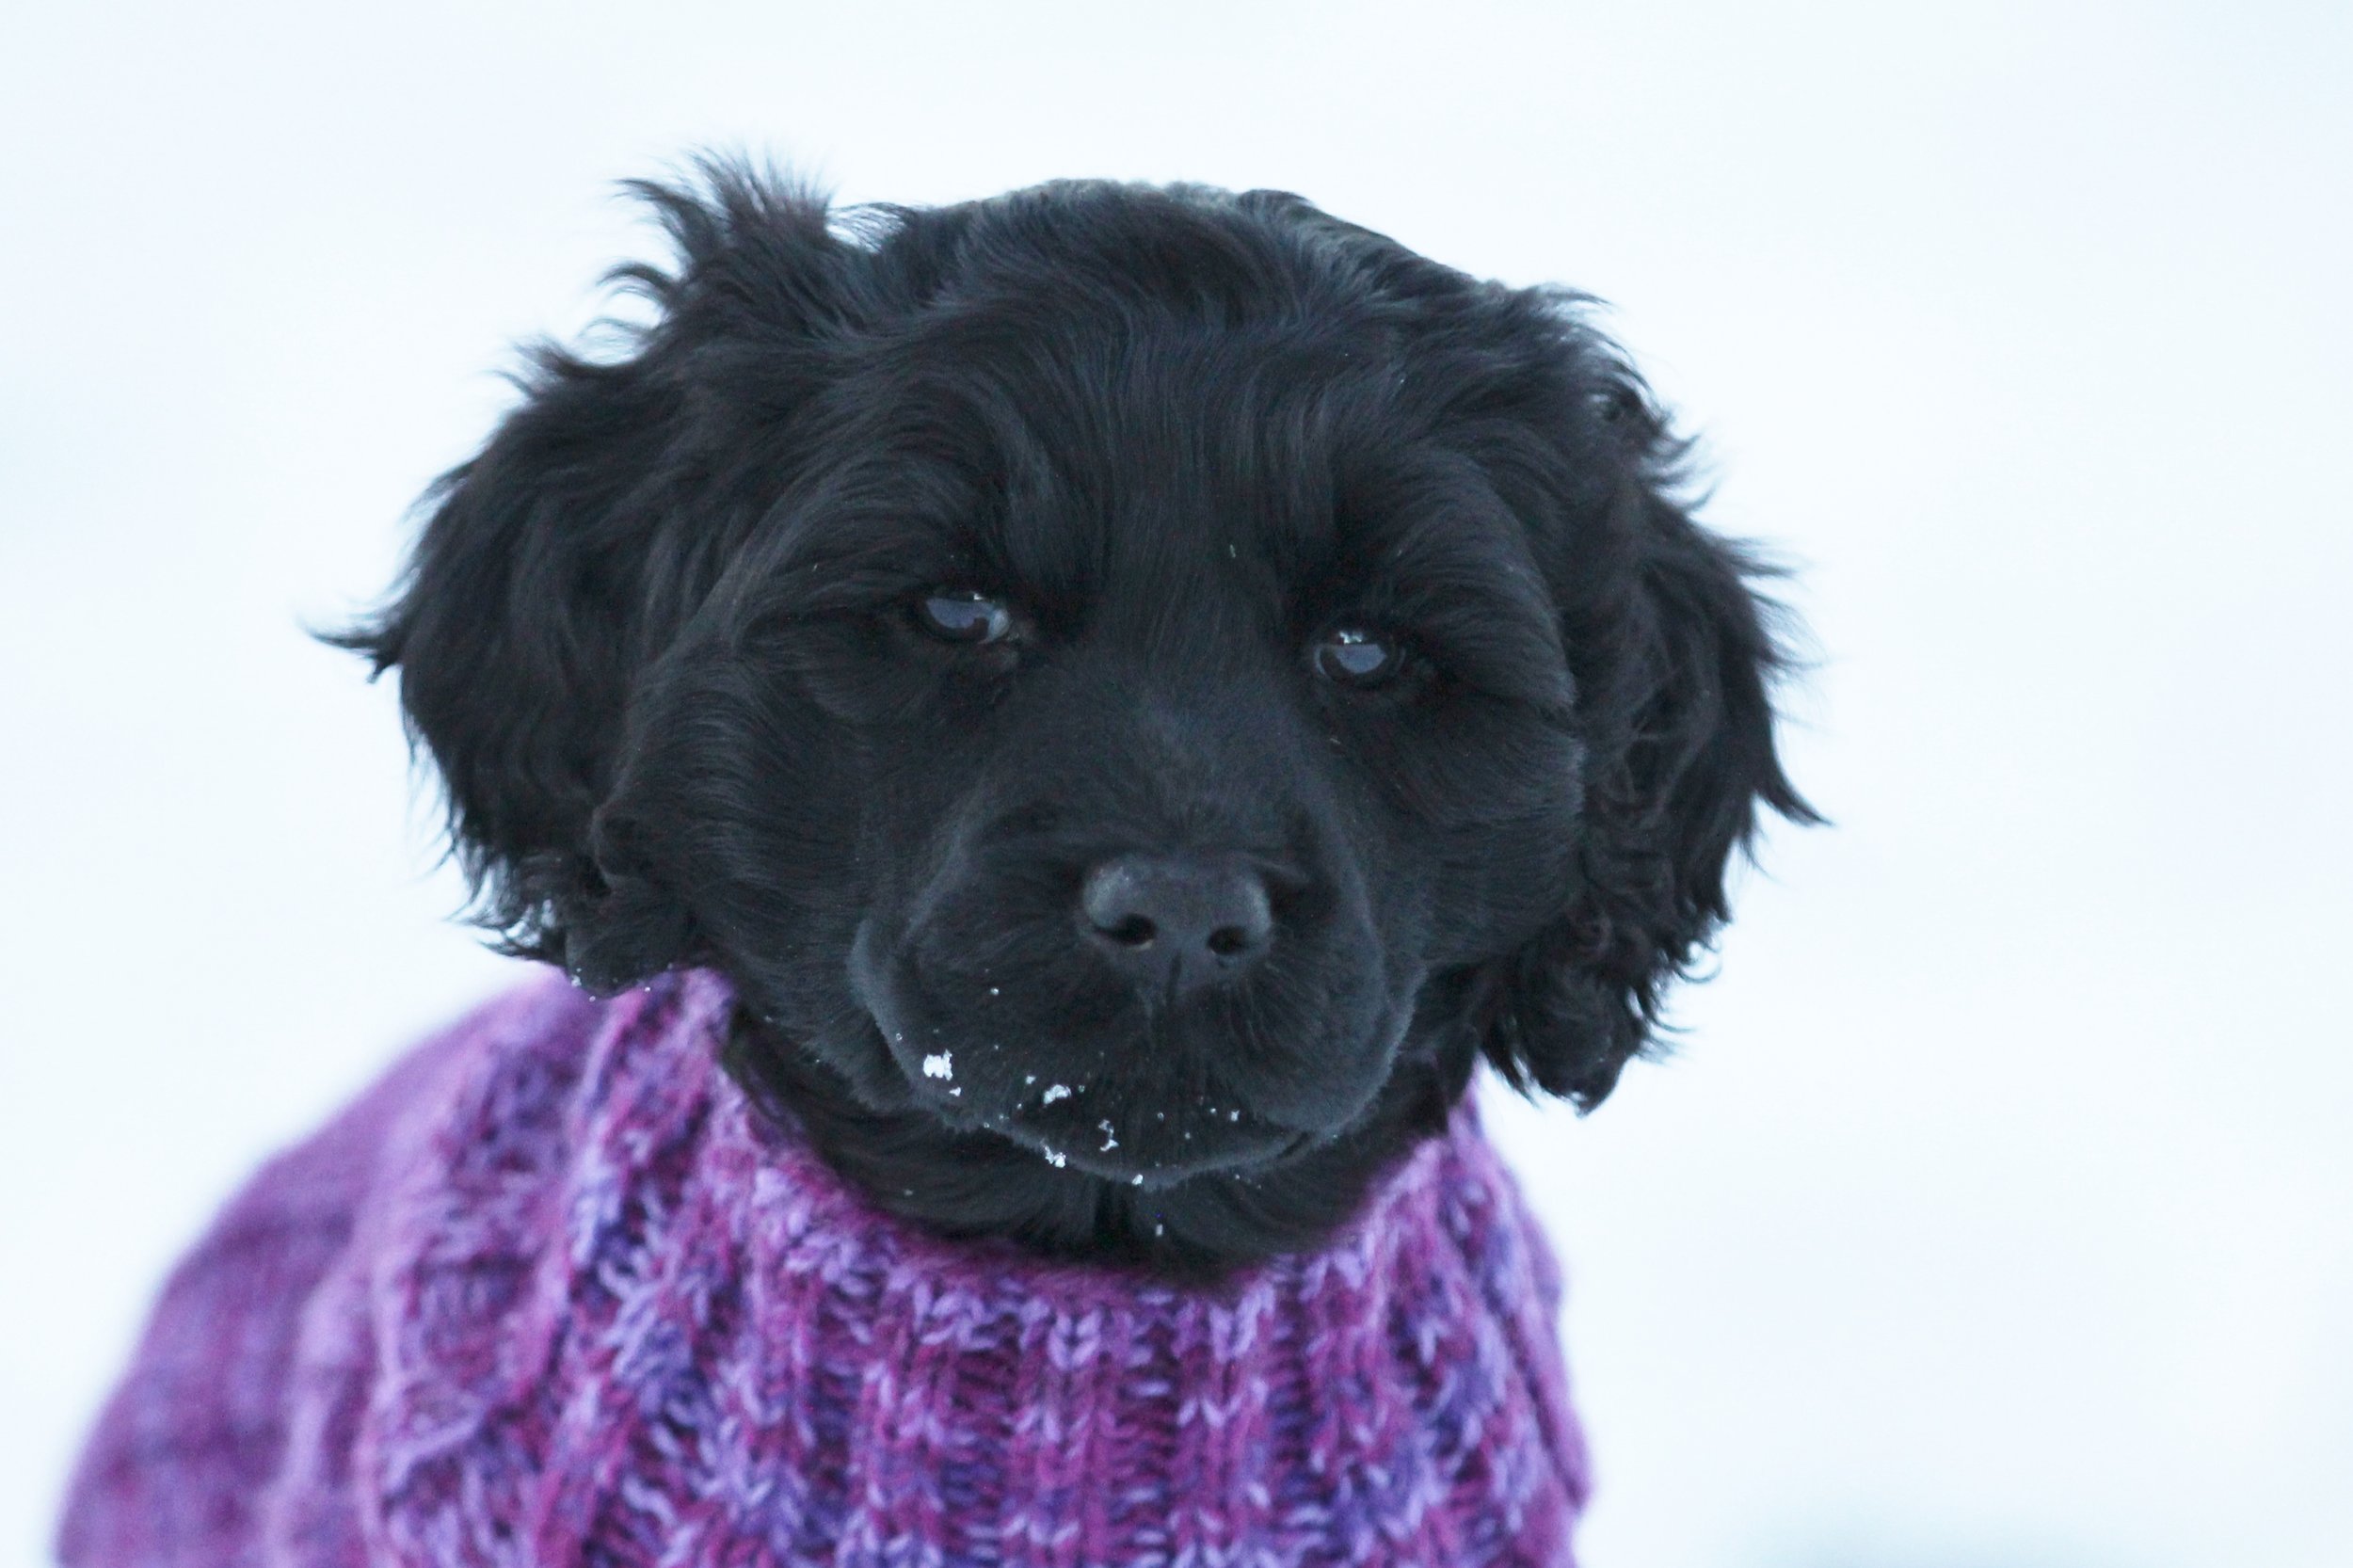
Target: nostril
1133,931
1229,940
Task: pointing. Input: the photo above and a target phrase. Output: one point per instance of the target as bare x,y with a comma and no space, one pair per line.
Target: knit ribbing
554,1294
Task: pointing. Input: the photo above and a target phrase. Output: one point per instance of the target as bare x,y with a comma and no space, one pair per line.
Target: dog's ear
1673,655
563,557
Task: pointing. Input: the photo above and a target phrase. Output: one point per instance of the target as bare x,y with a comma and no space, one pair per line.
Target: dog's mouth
1081,1076
1157,1147
1115,1133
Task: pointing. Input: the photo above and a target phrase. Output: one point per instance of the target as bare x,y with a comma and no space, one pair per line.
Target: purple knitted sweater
552,1293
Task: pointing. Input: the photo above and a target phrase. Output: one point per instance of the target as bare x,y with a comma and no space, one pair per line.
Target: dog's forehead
1146,460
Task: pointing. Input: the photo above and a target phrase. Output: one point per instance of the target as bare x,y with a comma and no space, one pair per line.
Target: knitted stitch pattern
552,1293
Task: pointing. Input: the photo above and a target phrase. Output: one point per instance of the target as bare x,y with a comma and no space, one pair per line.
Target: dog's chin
1092,1127
1173,1184
1177,1148
1133,1134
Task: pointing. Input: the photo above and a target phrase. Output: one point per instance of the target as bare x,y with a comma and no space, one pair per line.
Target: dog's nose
1177,921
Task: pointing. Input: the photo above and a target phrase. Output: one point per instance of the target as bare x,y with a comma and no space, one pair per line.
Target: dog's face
1137,688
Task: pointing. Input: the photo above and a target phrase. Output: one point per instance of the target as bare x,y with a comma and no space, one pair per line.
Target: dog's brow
1458,572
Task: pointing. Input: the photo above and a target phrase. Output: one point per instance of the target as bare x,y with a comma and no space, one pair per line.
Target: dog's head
1139,688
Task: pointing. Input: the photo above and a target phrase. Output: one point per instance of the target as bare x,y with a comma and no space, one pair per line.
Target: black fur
663,638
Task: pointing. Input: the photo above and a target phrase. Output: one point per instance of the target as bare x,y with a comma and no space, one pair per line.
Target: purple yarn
550,1293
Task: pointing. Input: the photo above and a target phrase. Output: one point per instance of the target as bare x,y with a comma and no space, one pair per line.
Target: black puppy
1140,689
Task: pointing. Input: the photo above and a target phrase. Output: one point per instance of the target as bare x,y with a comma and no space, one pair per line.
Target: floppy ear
567,554
1673,659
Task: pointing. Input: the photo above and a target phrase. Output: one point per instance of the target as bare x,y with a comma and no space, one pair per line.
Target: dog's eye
1350,656
962,615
